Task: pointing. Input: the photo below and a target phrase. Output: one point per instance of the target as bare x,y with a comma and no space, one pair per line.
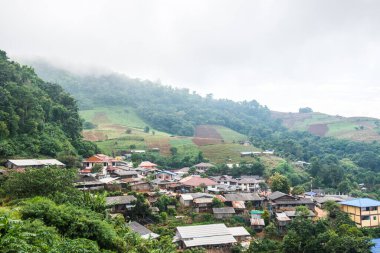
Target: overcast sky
286,54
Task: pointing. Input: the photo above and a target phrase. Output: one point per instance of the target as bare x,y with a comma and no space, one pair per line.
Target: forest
37,118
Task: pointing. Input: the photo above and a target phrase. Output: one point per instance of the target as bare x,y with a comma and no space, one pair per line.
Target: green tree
39,182
217,202
298,190
279,183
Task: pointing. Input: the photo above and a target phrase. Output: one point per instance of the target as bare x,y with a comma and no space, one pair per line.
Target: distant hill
351,128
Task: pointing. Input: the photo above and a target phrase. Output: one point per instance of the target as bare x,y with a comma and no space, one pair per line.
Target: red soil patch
318,129
206,135
208,132
93,136
206,141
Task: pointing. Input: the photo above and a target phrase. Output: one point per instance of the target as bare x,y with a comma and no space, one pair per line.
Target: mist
285,54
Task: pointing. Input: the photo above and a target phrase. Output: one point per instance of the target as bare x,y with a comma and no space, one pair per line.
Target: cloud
285,54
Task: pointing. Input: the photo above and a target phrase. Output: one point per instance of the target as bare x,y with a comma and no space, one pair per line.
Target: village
216,213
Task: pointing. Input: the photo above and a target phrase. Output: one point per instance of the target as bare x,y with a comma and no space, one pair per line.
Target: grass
112,122
227,152
338,128
185,146
120,115
229,135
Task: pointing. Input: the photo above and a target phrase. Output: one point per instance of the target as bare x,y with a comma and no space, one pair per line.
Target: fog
286,54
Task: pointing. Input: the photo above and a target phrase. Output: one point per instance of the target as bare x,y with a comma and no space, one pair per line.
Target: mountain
350,128
36,117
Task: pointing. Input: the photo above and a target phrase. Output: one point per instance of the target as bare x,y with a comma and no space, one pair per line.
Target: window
374,208
374,218
365,217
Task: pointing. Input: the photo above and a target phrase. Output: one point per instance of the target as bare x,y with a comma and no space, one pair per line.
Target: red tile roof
147,164
100,158
197,181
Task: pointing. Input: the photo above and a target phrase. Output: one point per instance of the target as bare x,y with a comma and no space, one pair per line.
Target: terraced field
353,128
219,144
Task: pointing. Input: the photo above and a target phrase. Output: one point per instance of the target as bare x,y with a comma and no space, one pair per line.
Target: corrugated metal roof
36,162
202,231
276,195
120,200
363,202
242,197
238,231
282,217
202,200
210,240
376,247
223,210
294,213
186,197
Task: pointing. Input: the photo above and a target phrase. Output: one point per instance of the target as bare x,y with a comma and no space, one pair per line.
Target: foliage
298,190
305,110
217,202
279,183
35,117
39,182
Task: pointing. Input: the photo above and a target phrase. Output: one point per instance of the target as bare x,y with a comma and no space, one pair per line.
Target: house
222,188
86,182
166,175
203,166
124,173
223,212
252,198
141,230
257,222
103,160
191,182
293,214
282,220
201,202
148,165
250,183
363,211
290,205
165,184
32,163
182,172
207,236
239,233
225,179
140,186
320,201
120,204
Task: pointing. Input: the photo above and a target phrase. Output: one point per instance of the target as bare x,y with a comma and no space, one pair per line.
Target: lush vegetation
66,220
36,117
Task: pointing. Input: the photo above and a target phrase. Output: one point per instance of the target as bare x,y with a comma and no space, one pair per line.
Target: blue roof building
364,212
376,247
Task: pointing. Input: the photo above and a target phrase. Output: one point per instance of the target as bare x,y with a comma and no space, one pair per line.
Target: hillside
36,118
351,128
185,123
219,144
